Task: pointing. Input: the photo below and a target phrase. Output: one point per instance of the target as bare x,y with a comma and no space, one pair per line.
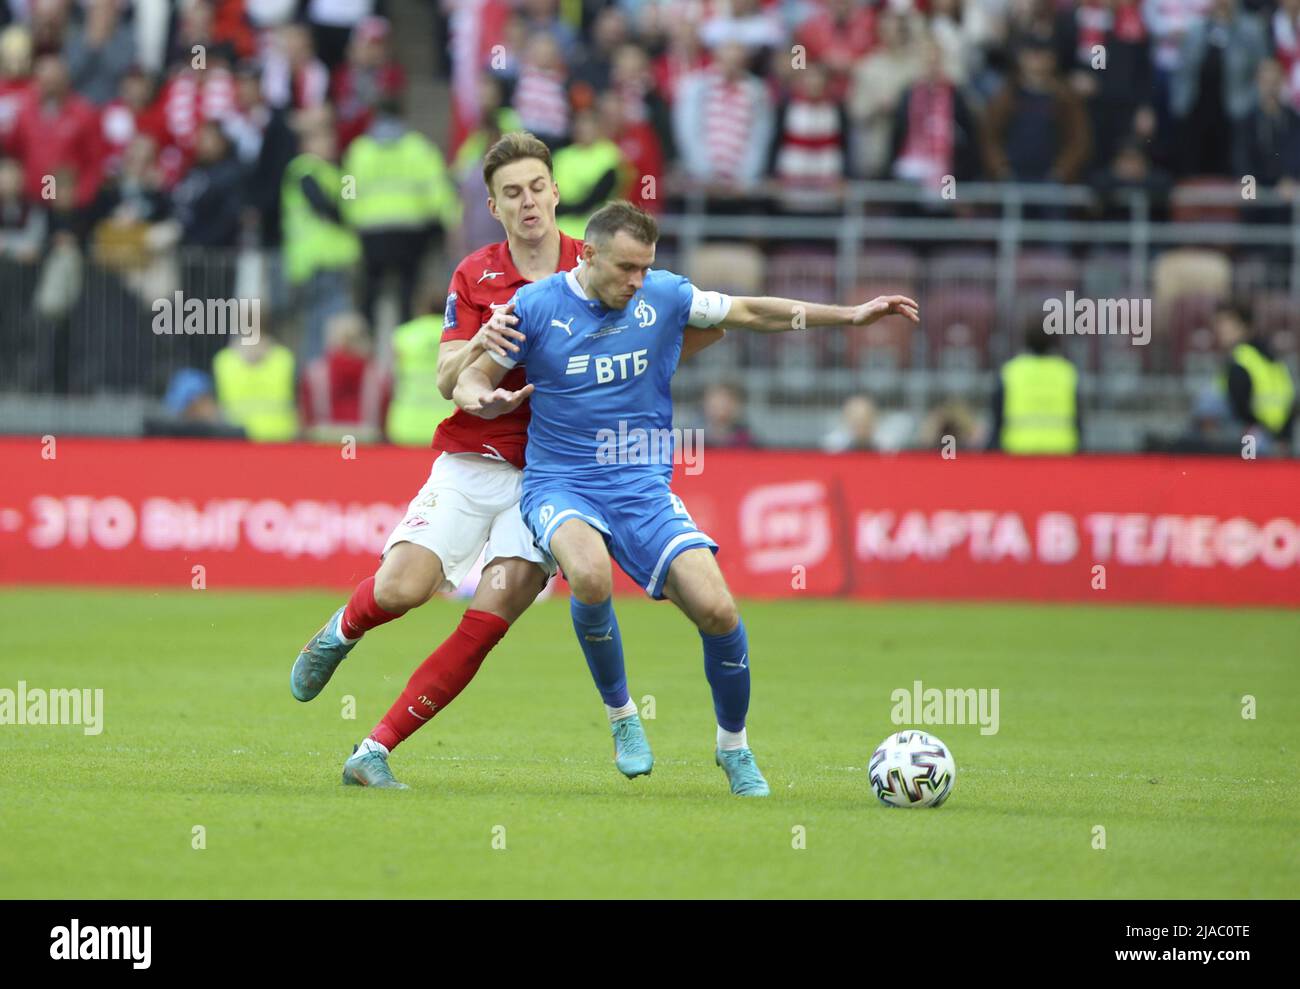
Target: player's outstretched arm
768,314
477,390
496,336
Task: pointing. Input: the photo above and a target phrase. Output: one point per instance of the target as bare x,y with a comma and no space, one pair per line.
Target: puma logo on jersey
486,275
564,326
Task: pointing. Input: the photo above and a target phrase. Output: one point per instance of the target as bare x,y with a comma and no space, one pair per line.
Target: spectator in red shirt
684,55
369,74
293,76
641,148
135,112
58,131
839,34
344,391
632,79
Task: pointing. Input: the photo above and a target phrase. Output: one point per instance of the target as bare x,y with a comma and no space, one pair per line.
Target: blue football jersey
602,405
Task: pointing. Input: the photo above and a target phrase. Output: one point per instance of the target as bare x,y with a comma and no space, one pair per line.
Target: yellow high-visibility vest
400,184
259,397
417,406
1038,405
311,242
577,170
1272,392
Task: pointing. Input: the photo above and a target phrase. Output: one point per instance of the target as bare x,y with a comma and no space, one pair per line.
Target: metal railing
98,366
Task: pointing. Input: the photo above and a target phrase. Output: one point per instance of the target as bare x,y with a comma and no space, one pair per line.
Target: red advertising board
979,526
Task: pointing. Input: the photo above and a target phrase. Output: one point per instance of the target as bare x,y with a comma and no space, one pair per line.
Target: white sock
370,745
626,710
730,740
338,630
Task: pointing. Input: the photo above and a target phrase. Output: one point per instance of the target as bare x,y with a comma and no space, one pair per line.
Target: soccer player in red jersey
471,500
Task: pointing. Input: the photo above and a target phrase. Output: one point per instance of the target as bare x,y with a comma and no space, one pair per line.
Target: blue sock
726,666
597,630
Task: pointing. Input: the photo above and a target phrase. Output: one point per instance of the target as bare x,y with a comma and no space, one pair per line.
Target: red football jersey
488,278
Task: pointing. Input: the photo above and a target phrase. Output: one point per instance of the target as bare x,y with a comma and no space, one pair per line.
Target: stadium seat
960,266
1191,335
795,273
1203,276
1277,319
734,268
1181,212
883,265
958,325
1108,274
1052,272
1186,270
1253,274
885,345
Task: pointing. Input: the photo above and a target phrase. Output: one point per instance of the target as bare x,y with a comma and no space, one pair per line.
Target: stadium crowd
145,147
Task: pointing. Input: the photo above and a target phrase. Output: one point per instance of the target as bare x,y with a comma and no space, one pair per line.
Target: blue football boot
632,753
370,768
319,658
742,772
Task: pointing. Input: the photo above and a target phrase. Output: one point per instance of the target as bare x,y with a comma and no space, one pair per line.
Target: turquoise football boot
370,768
742,772
632,753
319,658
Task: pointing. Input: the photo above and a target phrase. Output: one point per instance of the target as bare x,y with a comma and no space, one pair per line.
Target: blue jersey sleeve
683,294
520,311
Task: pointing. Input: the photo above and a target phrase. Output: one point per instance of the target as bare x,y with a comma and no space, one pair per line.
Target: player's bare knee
508,587
402,590
718,616
590,586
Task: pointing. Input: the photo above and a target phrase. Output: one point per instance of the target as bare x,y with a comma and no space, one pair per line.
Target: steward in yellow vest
401,181
1036,402
255,388
417,406
1257,385
590,172
315,237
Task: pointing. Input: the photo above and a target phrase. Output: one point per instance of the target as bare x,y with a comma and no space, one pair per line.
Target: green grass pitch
1126,718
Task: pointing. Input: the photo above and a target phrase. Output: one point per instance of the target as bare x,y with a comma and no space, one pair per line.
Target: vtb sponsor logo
610,367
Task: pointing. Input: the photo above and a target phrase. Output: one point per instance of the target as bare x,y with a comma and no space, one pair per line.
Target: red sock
441,677
362,614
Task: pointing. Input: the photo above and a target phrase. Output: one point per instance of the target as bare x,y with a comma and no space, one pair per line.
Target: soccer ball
912,769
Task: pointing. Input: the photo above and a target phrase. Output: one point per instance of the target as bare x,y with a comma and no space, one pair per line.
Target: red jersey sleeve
463,315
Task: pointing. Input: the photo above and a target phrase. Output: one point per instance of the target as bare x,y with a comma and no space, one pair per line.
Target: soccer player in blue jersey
600,345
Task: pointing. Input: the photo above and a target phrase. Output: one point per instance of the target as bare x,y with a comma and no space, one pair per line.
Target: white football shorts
468,503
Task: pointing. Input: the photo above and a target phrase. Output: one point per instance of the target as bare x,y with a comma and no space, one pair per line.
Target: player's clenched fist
498,334
886,305
498,402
